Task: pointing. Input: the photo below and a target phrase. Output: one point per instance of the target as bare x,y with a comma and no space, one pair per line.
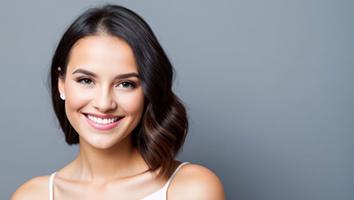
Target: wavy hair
163,128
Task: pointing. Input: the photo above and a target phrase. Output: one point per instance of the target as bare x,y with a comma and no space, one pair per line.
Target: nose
105,101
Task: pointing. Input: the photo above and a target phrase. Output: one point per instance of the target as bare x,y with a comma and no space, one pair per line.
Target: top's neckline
163,188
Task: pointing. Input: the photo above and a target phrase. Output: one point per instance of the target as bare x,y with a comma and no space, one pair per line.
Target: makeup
103,123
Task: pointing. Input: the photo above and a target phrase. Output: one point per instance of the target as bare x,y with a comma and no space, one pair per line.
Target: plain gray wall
268,85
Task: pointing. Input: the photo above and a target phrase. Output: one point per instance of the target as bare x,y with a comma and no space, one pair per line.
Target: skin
107,165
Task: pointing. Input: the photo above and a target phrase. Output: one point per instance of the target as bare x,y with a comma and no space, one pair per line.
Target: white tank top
160,194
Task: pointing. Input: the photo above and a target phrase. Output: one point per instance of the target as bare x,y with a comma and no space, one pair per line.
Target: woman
111,92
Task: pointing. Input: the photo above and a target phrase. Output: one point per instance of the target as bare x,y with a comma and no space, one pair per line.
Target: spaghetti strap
51,186
161,194
174,174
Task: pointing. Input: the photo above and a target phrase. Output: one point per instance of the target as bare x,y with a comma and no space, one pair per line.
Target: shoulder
194,181
35,188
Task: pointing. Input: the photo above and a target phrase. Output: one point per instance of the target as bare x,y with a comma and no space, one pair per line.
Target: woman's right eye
85,81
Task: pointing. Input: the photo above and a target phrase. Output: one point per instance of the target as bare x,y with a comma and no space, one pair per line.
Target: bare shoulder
194,181
35,188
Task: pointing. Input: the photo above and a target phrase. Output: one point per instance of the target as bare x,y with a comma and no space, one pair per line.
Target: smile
103,122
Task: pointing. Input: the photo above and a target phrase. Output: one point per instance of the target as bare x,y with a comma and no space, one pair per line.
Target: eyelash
84,81
131,84
88,82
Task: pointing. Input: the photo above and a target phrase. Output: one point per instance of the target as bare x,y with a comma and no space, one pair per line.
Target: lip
102,115
102,127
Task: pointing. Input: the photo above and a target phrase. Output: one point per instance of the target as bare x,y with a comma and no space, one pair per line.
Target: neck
104,165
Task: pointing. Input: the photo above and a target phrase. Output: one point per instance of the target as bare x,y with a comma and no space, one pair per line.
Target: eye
127,84
85,81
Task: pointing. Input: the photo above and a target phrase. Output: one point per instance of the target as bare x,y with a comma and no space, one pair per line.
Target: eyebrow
119,76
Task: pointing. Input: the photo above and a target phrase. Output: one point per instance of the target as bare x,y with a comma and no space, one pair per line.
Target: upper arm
196,182
32,189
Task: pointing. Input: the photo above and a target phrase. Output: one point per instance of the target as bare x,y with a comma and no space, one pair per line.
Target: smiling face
104,100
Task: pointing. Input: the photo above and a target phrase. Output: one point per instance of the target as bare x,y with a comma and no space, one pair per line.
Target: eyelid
132,83
80,79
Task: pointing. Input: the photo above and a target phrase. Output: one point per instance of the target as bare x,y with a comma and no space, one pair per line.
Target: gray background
268,86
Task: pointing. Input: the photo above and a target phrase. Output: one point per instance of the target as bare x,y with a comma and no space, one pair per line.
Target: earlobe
61,88
62,96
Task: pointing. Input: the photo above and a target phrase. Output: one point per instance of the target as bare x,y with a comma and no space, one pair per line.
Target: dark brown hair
163,127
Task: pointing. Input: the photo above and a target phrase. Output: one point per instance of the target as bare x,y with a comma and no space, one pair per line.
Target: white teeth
102,120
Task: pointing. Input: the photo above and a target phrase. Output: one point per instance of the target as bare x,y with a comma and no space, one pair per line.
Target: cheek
131,103
75,96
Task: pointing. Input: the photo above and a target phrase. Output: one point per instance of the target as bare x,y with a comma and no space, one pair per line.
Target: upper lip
103,116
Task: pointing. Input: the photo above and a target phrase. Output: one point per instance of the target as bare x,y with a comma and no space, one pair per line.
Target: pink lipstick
102,122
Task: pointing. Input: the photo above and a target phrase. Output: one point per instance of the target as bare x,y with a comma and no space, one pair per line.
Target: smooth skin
100,80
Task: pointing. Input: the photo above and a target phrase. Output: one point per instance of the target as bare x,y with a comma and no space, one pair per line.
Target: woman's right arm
33,189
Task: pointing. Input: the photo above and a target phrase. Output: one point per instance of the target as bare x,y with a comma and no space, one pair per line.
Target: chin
105,140
102,142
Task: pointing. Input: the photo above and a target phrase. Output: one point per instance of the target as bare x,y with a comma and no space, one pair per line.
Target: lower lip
102,127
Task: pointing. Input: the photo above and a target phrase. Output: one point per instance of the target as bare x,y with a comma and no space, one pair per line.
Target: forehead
102,53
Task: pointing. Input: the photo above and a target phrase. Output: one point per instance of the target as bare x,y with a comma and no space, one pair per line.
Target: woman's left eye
127,84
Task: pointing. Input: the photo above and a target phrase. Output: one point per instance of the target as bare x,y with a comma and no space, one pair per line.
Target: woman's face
104,99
